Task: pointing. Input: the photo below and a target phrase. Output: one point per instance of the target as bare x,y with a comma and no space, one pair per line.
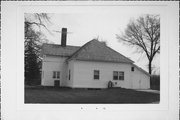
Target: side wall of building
140,79
50,64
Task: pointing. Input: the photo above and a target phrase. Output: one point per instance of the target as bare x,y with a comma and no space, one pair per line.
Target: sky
83,27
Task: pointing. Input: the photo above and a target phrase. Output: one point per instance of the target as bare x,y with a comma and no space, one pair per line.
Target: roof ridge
55,49
75,53
60,45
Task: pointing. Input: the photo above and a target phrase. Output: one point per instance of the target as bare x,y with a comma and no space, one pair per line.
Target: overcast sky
83,27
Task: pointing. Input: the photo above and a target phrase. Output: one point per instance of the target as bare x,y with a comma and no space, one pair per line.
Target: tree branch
143,33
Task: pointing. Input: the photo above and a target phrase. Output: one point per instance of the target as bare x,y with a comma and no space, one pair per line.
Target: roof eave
141,70
57,55
69,59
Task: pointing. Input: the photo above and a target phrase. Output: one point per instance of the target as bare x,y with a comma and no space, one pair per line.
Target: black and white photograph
89,60
92,58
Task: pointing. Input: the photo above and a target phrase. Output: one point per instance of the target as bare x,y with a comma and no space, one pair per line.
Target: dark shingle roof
98,51
58,50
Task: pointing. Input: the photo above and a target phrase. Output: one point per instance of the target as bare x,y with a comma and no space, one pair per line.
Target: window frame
56,75
115,77
132,69
96,76
119,76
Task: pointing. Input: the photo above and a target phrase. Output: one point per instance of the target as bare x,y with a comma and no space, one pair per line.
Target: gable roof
98,51
58,50
91,51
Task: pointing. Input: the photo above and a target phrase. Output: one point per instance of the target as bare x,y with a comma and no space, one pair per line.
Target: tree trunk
150,69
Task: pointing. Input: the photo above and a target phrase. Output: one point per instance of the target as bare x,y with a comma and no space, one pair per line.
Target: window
96,74
121,75
56,74
115,75
132,68
69,74
118,75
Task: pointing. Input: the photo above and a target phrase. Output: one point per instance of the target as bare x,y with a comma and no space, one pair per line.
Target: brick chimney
63,37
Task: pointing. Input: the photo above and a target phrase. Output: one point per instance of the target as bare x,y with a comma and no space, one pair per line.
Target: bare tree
33,24
144,34
36,20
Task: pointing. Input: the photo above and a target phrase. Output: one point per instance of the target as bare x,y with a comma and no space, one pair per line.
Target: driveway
149,90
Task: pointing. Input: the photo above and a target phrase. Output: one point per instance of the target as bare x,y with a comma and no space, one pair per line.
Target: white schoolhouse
92,65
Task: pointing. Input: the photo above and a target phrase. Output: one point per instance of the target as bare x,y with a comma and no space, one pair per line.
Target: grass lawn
66,95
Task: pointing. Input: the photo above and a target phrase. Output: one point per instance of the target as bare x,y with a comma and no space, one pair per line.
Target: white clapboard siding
50,64
83,75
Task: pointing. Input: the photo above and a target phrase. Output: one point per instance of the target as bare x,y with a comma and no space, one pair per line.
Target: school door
56,83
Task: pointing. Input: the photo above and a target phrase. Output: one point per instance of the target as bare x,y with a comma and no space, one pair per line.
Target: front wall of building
84,74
